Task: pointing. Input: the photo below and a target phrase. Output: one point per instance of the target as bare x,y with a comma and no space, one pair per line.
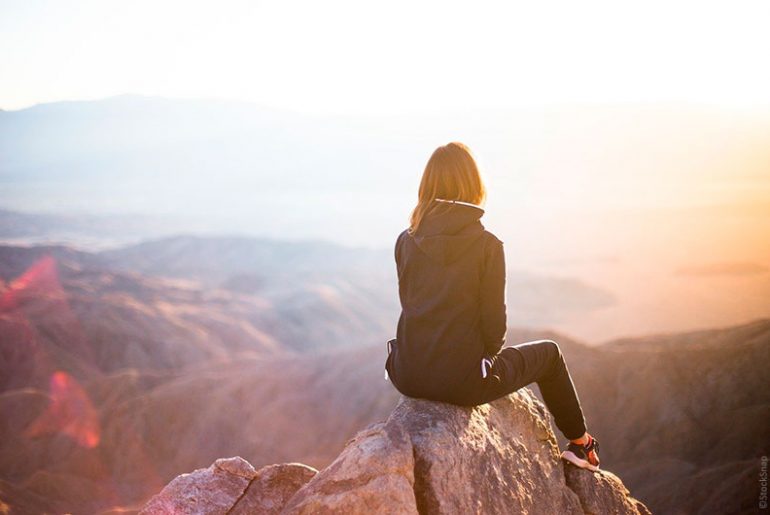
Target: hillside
694,414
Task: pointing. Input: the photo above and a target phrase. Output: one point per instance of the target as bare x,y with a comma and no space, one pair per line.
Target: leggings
540,362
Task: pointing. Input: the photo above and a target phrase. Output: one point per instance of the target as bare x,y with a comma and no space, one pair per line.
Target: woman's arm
397,251
493,315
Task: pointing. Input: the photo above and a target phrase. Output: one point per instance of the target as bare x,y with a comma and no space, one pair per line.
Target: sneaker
583,456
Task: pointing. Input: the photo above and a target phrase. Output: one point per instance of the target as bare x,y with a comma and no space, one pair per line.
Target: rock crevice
234,507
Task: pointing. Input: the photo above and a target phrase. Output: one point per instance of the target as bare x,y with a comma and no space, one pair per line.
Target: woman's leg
542,362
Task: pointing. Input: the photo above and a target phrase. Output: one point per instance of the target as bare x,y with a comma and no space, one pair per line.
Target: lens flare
70,412
40,279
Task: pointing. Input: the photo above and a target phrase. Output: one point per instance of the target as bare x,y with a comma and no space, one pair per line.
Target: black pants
541,362
517,366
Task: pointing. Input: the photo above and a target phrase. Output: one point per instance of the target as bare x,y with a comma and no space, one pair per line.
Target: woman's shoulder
491,238
403,234
399,242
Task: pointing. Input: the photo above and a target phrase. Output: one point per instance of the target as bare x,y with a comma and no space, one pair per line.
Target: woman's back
451,285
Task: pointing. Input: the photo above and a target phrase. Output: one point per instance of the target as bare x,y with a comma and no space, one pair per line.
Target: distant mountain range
286,272
234,166
222,165
86,231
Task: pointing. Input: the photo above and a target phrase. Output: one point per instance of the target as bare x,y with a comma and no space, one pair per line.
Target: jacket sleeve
397,252
493,299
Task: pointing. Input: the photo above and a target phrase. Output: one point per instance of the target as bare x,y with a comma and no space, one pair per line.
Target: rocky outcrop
427,457
231,486
601,492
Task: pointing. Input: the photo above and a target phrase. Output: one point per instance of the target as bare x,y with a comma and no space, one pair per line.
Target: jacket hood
448,229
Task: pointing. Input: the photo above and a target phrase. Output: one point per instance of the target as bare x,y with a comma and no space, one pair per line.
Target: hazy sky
375,57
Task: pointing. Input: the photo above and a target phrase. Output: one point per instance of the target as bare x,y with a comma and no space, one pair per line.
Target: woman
450,336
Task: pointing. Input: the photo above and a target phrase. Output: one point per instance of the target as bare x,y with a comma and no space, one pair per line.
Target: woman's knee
554,350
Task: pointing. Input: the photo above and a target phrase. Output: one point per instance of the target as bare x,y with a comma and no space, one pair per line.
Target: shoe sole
578,462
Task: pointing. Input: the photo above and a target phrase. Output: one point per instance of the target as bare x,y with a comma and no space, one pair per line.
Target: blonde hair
451,174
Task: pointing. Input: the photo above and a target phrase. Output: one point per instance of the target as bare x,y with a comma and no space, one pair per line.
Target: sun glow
347,56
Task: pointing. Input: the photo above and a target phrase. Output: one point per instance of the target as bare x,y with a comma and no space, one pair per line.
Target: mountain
291,289
90,359
681,416
85,231
156,156
278,292
91,320
427,457
235,165
694,414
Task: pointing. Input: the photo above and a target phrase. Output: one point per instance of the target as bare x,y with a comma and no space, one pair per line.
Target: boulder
230,486
272,487
429,458
601,492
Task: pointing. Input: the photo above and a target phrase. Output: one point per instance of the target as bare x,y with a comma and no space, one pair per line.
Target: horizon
740,109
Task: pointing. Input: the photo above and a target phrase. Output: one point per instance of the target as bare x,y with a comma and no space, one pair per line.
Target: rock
271,487
601,492
428,458
373,474
211,491
493,458
236,466
230,486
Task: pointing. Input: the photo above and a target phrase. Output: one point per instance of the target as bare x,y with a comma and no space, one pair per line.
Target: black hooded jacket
451,277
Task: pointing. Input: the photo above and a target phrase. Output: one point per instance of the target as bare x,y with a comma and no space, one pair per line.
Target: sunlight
378,58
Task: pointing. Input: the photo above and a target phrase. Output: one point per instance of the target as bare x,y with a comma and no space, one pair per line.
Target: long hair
451,174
